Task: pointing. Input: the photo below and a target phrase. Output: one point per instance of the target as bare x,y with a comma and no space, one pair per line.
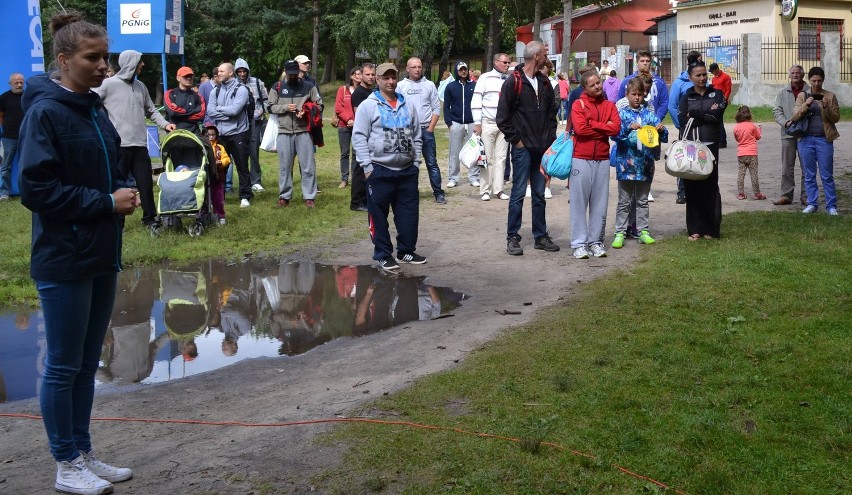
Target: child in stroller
184,186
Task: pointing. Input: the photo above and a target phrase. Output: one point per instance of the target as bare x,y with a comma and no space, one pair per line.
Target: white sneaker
486,197
74,477
474,183
451,184
809,209
105,471
244,203
598,251
547,193
222,221
257,188
650,198
581,253
833,212
529,192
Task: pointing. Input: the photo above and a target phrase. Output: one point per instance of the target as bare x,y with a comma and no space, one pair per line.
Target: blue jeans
9,148
431,161
526,167
229,178
565,112
815,154
76,316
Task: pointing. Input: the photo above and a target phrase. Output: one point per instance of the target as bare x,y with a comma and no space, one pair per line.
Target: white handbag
689,158
270,135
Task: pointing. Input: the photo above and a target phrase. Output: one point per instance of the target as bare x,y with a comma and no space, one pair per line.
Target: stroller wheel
154,230
195,229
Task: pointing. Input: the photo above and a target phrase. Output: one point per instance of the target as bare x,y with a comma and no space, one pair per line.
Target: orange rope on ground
359,420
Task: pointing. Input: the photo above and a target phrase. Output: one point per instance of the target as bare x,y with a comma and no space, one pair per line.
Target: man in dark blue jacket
459,119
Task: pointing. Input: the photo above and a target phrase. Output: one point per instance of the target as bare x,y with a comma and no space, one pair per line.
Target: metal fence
779,54
846,60
663,60
726,53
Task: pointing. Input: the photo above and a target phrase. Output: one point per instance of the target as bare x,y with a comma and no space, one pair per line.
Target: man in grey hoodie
387,139
227,109
258,121
128,102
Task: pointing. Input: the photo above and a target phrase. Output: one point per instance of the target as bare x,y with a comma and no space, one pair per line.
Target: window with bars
810,35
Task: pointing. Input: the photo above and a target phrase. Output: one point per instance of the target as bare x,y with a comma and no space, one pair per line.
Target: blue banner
136,25
20,37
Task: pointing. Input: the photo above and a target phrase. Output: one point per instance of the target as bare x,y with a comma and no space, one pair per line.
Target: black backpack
249,106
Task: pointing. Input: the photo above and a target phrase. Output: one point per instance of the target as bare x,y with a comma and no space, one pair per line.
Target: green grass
716,367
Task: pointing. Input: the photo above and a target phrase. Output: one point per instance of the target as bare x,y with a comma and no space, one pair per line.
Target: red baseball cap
185,71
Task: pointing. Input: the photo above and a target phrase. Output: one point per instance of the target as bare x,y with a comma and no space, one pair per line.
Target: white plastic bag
473,153
270,135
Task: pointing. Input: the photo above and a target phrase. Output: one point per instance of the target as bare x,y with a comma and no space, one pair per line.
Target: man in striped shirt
486,94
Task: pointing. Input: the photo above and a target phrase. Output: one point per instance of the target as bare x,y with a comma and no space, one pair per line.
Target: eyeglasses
505,61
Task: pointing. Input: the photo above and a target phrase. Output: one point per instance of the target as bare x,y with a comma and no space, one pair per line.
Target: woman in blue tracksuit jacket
71,183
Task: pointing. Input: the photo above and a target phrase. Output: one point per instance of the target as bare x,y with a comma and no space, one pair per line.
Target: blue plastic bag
556,161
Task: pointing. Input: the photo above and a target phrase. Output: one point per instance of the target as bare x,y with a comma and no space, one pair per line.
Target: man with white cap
459,118
305,69
387,139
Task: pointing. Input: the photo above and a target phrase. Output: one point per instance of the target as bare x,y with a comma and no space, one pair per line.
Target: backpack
249,106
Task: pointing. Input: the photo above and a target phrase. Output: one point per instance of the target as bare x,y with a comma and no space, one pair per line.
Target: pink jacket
746,134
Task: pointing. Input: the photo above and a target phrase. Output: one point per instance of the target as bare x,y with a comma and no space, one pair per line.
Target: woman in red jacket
594,120
344,115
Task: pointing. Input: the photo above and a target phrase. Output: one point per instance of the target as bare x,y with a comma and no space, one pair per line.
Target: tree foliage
268,32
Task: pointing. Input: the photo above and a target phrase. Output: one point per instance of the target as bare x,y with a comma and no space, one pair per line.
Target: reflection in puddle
173,322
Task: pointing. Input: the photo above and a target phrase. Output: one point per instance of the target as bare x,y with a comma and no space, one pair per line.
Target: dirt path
464,242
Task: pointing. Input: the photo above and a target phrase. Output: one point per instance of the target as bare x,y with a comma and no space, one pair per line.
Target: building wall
731,18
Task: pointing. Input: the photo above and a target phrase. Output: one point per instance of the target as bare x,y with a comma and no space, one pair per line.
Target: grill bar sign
788,9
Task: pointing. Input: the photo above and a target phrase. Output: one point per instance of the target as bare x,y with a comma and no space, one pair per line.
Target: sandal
759,196
694,237
741,196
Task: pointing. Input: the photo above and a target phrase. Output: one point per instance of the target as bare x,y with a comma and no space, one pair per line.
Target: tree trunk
451,36
566,35
315,49
329,72
537,21
350,60
493,42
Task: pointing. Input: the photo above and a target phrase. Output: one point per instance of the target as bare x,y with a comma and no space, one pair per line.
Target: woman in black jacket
705,105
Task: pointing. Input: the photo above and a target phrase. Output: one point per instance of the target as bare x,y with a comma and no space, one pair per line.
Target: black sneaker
544,242
681,200
513,247
441,199
412,258
388,264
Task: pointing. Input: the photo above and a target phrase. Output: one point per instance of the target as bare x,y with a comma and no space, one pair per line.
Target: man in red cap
185,108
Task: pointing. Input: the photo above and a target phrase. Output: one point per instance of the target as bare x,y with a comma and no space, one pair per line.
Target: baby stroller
184,186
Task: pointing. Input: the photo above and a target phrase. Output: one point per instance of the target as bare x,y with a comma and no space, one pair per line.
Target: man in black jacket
185,108
526,115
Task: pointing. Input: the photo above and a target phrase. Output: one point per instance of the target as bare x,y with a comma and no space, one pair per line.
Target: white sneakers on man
244,203
257,188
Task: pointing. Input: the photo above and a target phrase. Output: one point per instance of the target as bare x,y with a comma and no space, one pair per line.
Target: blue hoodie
457,98
679,87
69,169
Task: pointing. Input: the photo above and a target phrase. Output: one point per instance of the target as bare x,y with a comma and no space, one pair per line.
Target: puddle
173,322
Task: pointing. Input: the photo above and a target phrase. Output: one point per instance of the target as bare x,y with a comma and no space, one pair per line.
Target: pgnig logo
135,18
